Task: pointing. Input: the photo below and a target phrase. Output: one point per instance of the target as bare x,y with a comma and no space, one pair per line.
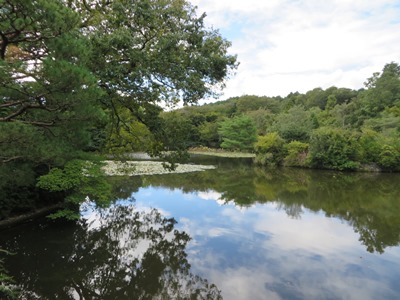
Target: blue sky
286,46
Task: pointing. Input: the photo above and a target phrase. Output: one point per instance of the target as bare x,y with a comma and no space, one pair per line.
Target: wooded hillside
336,128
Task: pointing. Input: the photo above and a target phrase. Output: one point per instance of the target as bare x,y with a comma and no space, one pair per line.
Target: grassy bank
220,152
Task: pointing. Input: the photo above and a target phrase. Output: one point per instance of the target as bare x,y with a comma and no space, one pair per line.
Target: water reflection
368,202
258,252
279,236
118,253
256,234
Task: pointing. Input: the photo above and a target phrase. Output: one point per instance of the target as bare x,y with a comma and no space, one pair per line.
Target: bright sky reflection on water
259,252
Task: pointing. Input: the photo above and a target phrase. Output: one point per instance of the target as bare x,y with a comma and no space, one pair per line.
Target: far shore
220,153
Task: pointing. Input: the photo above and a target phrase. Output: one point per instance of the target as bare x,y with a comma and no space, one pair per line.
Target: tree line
336,128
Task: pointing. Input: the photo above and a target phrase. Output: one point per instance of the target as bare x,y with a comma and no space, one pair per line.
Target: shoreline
111,168
220,153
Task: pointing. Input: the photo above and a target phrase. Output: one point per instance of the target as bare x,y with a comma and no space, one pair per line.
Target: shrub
370,146
334,148
296,154
270,149
389,158
380,149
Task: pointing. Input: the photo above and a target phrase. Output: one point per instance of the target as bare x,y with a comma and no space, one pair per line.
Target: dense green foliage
238,133
270,149
333,148
336,128
82,76
76,181
296,154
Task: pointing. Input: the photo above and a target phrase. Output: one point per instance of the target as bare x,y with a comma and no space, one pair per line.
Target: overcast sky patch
297,45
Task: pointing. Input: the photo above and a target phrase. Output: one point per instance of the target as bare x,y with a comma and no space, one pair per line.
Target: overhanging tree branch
10,159
26,107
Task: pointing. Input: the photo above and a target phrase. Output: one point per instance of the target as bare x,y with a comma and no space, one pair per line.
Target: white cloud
212,195
288,46
209,195
328,238
242,283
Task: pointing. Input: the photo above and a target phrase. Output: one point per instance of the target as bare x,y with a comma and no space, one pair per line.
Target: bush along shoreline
332,149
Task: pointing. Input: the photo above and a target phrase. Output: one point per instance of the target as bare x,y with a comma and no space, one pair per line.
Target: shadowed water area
235,232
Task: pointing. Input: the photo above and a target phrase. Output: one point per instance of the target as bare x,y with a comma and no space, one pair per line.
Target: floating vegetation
133,168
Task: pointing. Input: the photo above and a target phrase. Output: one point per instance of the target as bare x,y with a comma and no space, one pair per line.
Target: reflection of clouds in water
259,252
393,251
147,192
312,233
289,275
312,258
211,195
310,277
95,218
218,231
140,206
219,198
86,209
243,283
189,196
234,214
209,227
90,215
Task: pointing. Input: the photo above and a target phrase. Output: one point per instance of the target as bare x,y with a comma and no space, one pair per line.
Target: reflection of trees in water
125,254
293,210
124,186
369,202
136,255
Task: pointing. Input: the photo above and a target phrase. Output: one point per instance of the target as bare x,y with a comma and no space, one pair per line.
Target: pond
235,232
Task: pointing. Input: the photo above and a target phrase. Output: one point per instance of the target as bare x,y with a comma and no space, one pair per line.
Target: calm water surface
236,232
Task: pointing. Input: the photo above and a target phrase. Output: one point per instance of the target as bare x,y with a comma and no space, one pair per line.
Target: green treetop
238,133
